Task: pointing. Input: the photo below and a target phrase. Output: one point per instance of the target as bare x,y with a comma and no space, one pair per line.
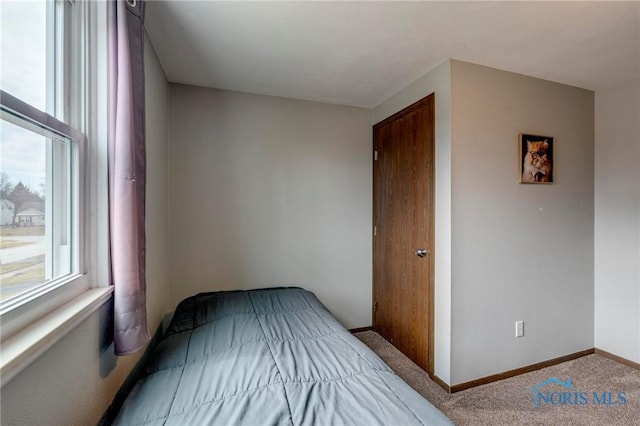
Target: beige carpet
510,401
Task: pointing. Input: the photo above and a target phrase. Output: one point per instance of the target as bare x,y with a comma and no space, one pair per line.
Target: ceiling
361,53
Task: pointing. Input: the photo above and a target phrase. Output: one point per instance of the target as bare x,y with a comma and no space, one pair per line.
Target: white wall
75,381
268,191
617,221
437,81
519,252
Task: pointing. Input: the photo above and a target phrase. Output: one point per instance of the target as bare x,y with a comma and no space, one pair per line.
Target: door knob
421,252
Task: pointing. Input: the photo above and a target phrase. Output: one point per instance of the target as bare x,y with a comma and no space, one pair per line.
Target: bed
267,357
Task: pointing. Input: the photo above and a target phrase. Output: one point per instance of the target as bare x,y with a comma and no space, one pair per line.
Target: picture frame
536,164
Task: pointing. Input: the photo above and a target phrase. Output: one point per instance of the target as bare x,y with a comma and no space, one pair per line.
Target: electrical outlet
519,328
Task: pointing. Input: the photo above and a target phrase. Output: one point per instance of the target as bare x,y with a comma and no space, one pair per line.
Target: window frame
83,110
17,112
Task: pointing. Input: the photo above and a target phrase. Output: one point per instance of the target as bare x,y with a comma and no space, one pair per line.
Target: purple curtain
127,173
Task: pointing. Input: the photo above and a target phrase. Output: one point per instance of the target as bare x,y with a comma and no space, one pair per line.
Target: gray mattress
266,357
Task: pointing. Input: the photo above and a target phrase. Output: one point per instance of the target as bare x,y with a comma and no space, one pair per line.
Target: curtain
127,173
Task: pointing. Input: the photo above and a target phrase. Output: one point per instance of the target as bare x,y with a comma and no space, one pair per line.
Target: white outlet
519,328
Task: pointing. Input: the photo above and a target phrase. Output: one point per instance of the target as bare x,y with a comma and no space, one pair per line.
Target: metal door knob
421,252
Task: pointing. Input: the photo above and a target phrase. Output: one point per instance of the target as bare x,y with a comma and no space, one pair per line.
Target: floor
511,401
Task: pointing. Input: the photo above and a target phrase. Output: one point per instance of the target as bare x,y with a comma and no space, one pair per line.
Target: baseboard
442,384
617,358
516,372
360,329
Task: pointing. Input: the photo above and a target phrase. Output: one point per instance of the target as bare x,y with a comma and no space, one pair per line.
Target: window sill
24,347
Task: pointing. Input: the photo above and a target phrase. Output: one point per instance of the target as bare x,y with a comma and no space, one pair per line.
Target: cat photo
536,159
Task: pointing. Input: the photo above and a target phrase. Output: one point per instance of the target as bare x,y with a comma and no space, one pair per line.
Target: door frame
431,276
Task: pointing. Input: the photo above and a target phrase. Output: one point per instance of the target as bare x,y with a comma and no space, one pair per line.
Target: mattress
267,357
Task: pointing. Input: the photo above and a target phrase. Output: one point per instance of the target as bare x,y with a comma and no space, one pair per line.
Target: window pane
25,71
35,220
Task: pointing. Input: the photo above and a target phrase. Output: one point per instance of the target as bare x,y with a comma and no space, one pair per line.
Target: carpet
511,401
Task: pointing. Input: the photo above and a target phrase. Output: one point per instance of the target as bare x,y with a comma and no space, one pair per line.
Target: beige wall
157,191
519,252
268,191
491,230
75,381
617,221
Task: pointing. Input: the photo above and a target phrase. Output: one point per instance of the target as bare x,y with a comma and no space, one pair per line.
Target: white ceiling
361,53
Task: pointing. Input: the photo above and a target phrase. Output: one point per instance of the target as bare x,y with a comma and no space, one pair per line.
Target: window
39,202
52,156
39,151
28,52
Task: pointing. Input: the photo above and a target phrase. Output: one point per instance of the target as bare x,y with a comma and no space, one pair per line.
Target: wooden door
403,186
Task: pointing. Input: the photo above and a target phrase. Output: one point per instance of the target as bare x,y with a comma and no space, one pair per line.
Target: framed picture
536,158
